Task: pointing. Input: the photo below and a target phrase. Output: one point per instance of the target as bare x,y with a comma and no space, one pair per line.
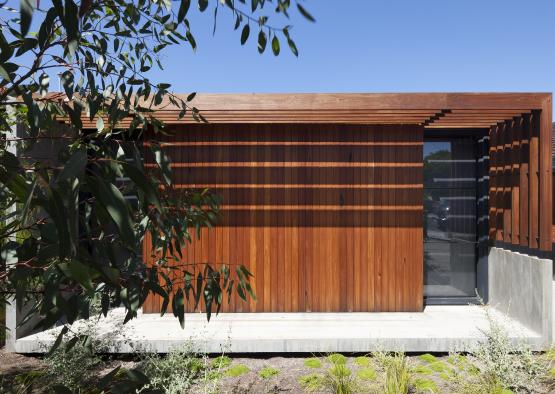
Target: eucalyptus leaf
262,40
245,34
26,15
163,162
275,46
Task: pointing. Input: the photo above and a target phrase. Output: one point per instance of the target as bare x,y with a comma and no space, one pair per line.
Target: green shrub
362,361
268,372
174,373
72,366
513,367
74,363
366,373
313,362
497,365
237,370
312,382
337,359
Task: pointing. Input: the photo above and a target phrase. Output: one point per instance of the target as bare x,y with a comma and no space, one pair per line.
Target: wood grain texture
346,237
533,185
545,175
521,188
457,110
524,180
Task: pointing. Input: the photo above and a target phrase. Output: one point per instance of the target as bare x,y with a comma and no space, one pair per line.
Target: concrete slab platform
437,329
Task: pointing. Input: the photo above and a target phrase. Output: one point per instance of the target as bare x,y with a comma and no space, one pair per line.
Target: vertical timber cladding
326,217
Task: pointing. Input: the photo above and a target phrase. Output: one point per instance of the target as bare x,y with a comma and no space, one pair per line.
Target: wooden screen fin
533,198
524,178
545,171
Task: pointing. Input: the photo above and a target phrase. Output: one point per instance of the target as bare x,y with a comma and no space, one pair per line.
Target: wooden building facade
364,202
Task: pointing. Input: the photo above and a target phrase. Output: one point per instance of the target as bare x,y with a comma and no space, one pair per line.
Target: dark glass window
450,217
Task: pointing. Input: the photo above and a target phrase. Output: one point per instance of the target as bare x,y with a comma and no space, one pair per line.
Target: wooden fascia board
350,101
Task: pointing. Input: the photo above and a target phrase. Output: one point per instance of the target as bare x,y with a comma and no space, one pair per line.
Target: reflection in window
450,218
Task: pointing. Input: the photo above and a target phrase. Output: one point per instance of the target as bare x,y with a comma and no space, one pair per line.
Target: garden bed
377,373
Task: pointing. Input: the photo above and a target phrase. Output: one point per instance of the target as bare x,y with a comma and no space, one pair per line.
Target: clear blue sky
381,46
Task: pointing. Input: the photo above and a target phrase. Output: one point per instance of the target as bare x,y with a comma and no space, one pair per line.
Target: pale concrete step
437,329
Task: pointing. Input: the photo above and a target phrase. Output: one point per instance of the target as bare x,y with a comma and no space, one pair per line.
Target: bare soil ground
287,380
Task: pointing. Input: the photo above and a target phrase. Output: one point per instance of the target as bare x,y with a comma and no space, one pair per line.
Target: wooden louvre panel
327,217
521,181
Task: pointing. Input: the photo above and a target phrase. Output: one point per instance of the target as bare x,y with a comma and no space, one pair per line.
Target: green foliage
422,370
504,364
74,368
311,382
439,366
312,362
74,364
422,385
362,361
174,373
337,359
221,362
366,373
497,365
237,370
26,382
268,372
435,364
82,235
428,358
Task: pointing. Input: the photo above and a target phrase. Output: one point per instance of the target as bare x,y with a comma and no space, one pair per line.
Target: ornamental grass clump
397,375
311,382
339,380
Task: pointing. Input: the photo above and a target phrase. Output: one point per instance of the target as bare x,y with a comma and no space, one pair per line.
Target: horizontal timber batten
362,108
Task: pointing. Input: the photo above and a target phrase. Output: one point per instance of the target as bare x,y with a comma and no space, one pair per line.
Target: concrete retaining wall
521,287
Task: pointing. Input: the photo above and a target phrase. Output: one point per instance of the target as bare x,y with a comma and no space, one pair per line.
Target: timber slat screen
520,183
326,217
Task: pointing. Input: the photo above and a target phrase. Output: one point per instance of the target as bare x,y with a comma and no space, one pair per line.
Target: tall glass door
450,188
